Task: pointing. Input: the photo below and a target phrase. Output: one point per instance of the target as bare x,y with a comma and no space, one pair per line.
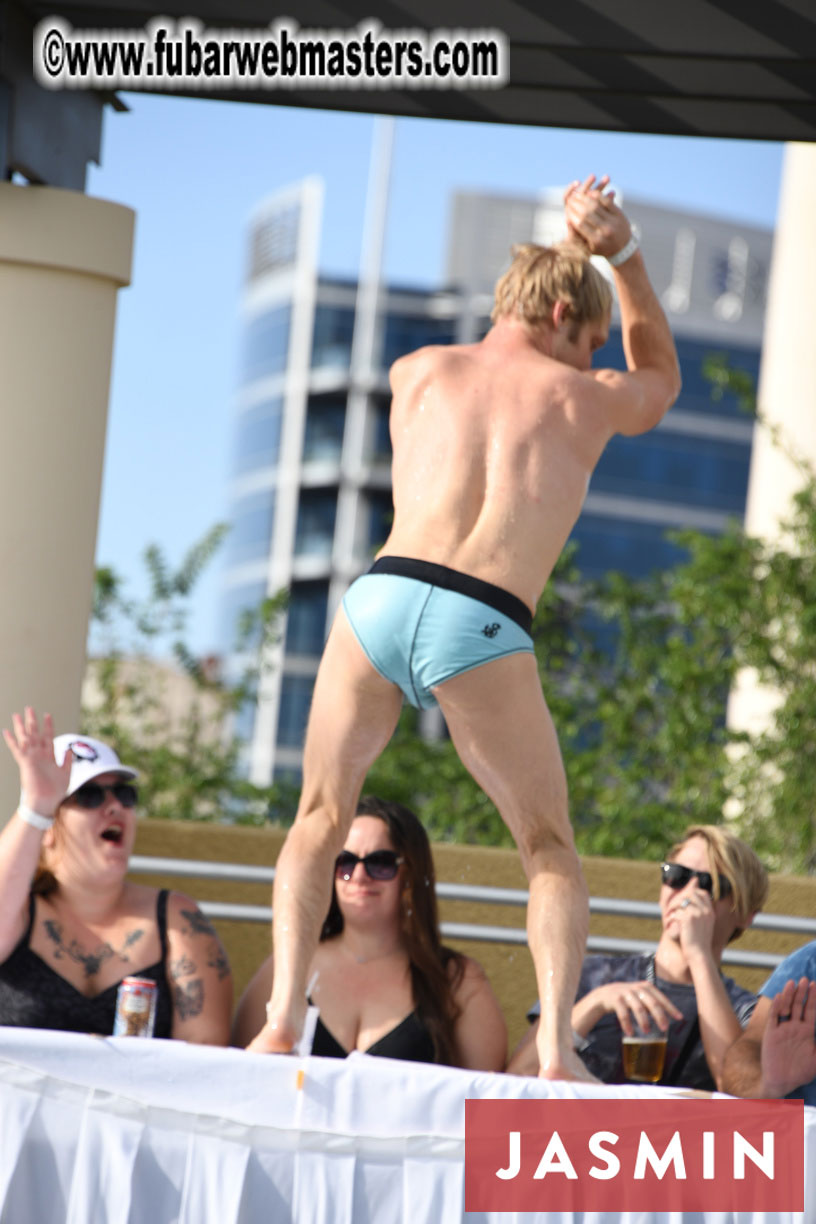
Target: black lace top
33,995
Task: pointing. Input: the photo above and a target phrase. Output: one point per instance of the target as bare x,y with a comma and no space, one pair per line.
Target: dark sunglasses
92,795
379,864
676,876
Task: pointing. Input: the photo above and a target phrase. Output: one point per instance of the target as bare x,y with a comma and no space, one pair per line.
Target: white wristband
27,814
624,253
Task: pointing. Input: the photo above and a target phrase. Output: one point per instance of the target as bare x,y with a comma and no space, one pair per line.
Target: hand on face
695,916
43,782
594,218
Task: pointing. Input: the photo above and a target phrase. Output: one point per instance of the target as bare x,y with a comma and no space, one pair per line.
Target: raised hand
789,1041
695,917
43,782
594,218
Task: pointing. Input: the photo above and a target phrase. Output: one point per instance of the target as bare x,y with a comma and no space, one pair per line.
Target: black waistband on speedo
452,580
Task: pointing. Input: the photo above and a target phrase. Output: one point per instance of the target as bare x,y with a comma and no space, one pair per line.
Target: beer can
135,1008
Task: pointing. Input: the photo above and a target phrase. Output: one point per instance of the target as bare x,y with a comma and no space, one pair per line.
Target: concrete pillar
787,387
63,256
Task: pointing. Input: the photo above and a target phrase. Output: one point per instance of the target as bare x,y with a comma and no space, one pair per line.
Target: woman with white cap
71,925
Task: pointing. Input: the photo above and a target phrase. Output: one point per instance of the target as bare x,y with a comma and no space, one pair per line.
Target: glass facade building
310,494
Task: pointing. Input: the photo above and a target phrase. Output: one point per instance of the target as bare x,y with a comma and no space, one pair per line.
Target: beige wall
509,968
787,390
63,258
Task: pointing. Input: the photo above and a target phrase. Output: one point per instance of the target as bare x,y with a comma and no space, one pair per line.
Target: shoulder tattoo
188,1000
198,924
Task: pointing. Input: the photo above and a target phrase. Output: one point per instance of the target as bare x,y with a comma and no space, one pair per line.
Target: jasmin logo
655,1154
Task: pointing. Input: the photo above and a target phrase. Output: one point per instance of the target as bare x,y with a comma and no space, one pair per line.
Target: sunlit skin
494,444
704,922
79,843
91,925
360,979
696,930
370,908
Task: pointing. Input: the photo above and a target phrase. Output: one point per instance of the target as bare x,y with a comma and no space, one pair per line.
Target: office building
310,494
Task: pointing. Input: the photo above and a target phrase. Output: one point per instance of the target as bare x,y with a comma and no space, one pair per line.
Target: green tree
637,675
189,761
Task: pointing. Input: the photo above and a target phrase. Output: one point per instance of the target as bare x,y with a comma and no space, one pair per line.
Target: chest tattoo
91,961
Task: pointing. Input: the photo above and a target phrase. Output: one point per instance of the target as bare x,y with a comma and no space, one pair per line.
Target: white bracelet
27,814
624,253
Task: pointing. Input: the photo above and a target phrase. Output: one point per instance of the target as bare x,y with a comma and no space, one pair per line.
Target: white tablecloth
123,1131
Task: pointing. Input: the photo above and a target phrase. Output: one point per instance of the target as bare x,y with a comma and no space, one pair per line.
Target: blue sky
194,170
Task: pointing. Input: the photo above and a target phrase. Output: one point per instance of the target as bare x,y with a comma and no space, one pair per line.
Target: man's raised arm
643,396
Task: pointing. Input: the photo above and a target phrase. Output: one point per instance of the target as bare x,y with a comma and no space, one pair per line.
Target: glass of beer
644,1054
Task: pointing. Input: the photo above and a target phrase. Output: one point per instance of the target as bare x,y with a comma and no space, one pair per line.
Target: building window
405,333
306,623
258,436
332,336
676,467
251,522
635,549
266,344
692,355
236,601
380,436
295,699
273,243
696,393
380,518
317,511
325,422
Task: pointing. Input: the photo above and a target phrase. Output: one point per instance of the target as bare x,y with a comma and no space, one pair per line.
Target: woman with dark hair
72,926
381,978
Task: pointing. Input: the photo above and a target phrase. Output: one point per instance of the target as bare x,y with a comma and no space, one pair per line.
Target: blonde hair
730,856
540,276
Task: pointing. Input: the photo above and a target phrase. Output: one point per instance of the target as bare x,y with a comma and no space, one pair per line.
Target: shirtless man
494,444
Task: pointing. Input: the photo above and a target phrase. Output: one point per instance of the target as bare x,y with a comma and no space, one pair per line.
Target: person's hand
282,1031
594,218
789,1041
42,781
694,914
632,1002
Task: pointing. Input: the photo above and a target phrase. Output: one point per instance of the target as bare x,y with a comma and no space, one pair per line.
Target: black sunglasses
379,864
676,876
92,795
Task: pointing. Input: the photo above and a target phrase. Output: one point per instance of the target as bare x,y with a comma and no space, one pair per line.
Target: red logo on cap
83,750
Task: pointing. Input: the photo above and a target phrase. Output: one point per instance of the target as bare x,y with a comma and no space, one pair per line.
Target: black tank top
33,995
408,1040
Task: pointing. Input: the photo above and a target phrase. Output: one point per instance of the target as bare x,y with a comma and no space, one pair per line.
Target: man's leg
353,716
503,732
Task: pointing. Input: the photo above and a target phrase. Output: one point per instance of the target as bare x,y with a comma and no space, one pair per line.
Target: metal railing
243,873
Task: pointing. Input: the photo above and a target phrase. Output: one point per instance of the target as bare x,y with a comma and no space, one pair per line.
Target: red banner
683,1154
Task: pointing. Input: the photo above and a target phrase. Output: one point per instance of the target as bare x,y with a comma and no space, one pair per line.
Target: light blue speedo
417,635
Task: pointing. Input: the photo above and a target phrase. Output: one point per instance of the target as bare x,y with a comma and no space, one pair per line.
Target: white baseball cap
91,758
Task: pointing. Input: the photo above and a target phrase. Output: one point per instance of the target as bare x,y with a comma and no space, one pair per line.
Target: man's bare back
494,444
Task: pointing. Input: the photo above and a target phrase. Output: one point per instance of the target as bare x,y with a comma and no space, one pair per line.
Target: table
125,1131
